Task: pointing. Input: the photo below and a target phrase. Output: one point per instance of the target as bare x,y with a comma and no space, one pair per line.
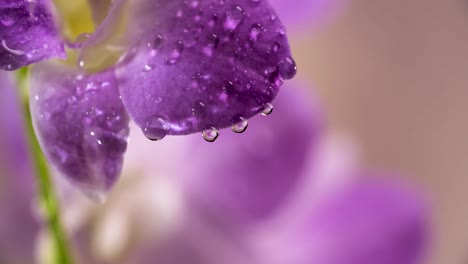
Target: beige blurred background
394,74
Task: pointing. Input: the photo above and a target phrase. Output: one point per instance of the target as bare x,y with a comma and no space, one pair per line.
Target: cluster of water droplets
204,30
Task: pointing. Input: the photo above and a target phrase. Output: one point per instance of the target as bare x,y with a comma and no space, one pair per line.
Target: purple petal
81,123
365,223
28,33
18,227
249,176
203,64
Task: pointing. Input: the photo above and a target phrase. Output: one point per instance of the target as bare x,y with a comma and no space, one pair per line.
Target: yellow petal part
76,17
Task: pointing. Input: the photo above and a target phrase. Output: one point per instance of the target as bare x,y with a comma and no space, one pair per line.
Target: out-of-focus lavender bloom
366,221
18,226
182,67
331,217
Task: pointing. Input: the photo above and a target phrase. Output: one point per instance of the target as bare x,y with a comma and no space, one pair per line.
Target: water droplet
176,52
255,30
213,42
147,68
210,134
234,18
240,126
282,30
267,109
199,109
275,47
157,42
287,68
155,128
213,20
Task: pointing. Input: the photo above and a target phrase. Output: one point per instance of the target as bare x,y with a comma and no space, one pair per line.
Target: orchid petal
250,176
81,124
202,64
28,33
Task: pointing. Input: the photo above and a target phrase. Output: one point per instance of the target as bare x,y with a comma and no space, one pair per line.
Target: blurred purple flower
18,226
188,67
367,221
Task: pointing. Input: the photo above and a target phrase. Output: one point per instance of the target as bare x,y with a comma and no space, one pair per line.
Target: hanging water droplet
240,126
267,109
287,68
210,134
155,128
234,18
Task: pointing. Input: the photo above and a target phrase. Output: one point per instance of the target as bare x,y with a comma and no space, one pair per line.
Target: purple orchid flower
16,182
325,212
187,67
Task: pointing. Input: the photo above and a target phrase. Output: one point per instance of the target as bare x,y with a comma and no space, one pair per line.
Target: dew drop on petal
287,68
255,31
178,48
157,42
267,109
234,18
147,68
240,126
275,47
155,128
210,134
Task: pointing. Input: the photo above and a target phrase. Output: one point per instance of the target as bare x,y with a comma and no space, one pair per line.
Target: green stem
46,192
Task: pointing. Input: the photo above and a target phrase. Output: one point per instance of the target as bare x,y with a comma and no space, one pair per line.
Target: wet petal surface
81,123
203,64
249,176
28,33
